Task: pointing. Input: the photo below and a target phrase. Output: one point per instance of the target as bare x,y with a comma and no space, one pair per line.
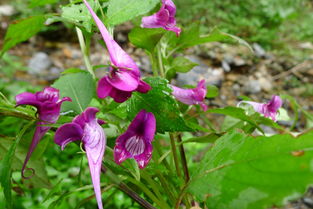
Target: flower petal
150,22
27,98
120,153
144,158
149,126
143,87
123,80
39,133
94,142
275,103
183,95
67,133
118,56
104,88
48,94
120,96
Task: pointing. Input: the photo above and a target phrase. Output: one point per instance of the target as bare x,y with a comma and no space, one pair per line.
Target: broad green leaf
6,165
212,91
236,113
40,179
22,30
120,11
80,87
36,3
210,138
245,172
191,37
182,65
160,102
78,14
145,38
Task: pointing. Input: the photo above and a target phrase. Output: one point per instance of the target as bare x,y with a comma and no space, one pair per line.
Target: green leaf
210,138
160,102
40,179
79,14
191,37
120,11
145,38
5,167
182,65
80,87
236,113
36,3
245,172
212,91
21,31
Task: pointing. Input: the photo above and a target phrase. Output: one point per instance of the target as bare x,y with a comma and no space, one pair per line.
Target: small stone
39,63
226,66
144,64
265,84
6,10
259,51
252,87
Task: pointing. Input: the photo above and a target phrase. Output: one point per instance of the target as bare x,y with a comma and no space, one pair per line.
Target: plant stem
132,194
175,157
183,158
153,64
85,51
161,63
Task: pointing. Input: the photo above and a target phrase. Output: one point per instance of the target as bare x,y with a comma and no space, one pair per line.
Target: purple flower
124,75
164,18
268,109
136,141
192,96
86,127
48,107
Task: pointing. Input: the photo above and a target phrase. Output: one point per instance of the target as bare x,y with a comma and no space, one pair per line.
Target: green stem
175,157
85,51
151,183
153,64
183,158
161,63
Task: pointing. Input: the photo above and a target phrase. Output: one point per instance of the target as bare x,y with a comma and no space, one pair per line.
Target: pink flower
86,127
164,18
136,141
269,109
192,96
48,107
124,75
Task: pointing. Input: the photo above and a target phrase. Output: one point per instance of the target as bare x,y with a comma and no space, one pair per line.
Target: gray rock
6,10
39,63
226,66
259,51
252,87
144,64
265,84
213,76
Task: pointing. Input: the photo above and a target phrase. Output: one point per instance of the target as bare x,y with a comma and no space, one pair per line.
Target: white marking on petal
135,145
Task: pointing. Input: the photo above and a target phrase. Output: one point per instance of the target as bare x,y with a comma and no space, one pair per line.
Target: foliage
232,164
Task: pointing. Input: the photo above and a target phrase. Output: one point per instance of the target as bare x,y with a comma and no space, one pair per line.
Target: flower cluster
122,80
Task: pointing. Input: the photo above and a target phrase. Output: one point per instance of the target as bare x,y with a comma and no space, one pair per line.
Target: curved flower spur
86,127
191,96
136,141
269,109
164,18
124,75
48,107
